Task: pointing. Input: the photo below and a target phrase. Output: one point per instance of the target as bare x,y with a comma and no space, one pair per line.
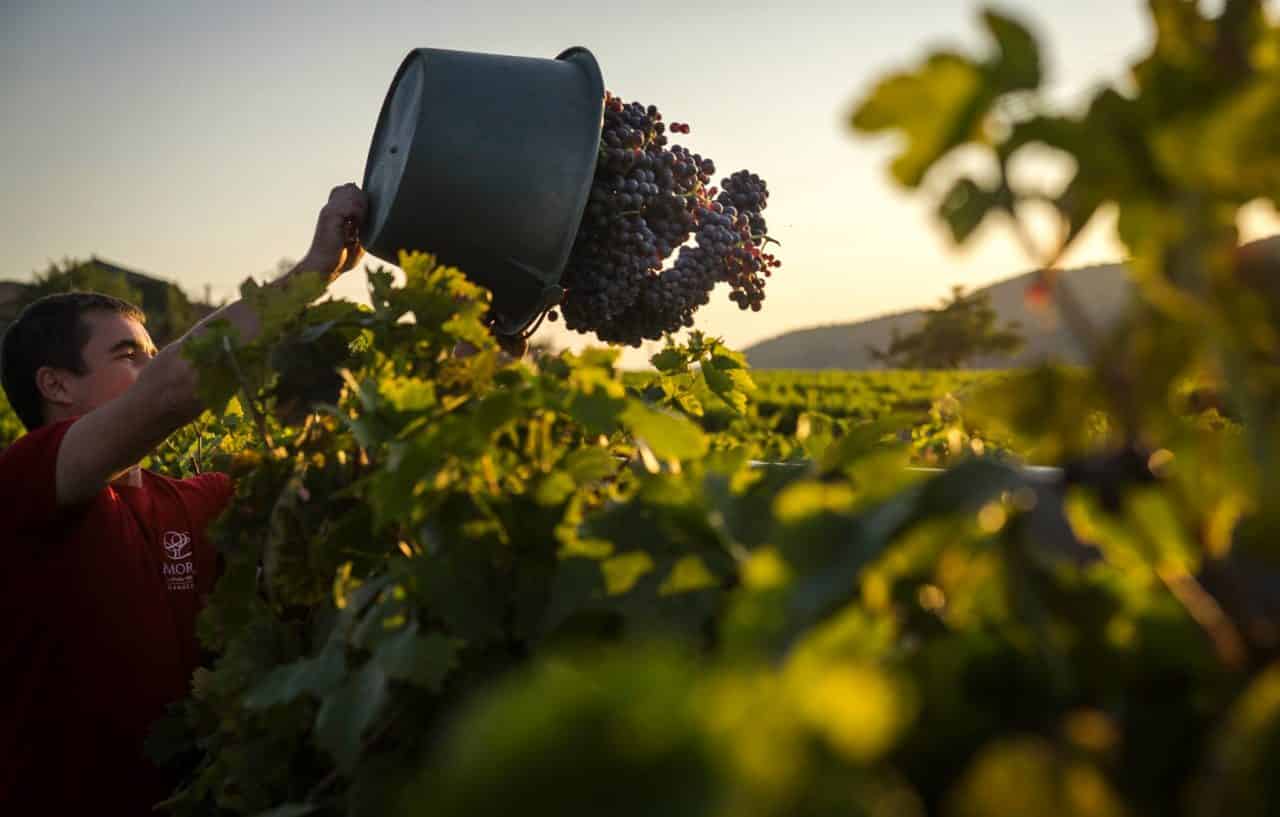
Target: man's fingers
351,236
348,192
348,203
337,239
360,203
352,256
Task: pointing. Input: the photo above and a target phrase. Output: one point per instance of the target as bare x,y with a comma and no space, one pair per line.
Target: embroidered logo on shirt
179,572
175,544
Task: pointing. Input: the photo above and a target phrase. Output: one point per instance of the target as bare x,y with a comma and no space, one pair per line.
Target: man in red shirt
103,565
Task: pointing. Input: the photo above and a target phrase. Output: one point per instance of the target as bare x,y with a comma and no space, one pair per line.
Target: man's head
67,354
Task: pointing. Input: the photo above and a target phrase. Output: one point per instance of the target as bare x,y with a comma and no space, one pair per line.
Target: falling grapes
647,198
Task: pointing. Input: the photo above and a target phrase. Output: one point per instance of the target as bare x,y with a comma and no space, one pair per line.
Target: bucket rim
384,112
585,60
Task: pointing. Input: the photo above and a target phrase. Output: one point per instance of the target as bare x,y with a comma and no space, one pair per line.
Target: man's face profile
118,349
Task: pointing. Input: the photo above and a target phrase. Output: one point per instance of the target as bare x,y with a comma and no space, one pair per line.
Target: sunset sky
196,142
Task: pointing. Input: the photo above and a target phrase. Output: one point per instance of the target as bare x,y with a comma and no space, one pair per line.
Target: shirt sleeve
28,480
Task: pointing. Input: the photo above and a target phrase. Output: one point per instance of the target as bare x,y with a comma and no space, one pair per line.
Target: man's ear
53,386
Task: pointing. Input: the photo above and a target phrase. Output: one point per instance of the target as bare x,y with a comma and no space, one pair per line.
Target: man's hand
336,246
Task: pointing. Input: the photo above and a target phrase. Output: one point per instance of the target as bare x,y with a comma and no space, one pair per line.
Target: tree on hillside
961,329
169,311
82,276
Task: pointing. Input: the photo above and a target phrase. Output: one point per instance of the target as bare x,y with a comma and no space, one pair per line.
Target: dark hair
50,331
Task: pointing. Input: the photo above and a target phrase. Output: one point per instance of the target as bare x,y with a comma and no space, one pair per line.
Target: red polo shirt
97,629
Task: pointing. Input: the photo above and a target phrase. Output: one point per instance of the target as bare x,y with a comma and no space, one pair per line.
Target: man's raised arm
114,436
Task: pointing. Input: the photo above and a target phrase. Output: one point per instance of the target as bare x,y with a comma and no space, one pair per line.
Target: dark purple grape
647,200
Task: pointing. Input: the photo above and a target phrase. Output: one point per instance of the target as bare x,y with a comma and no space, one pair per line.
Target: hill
1102,290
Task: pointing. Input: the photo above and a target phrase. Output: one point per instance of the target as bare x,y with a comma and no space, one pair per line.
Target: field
452,571
859,395
781,396
921,405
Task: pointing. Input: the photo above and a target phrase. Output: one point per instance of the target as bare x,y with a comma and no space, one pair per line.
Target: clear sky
197,141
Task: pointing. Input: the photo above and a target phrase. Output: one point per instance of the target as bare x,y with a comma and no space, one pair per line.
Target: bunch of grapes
647,198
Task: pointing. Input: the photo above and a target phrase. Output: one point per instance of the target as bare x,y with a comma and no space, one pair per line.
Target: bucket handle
552,295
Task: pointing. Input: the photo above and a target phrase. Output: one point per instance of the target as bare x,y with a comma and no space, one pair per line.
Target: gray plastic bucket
486,160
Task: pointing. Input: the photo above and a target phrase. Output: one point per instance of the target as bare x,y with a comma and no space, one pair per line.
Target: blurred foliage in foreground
495,588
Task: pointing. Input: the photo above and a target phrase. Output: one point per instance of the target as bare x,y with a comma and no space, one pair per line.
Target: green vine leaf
315,676
670,435
966,206
938,107
422,660
347,713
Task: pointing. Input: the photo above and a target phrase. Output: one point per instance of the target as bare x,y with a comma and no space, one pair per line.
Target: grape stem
258,419
199,457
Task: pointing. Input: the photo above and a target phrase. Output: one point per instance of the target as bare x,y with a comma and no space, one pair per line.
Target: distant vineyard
860,395
772,415
849,395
